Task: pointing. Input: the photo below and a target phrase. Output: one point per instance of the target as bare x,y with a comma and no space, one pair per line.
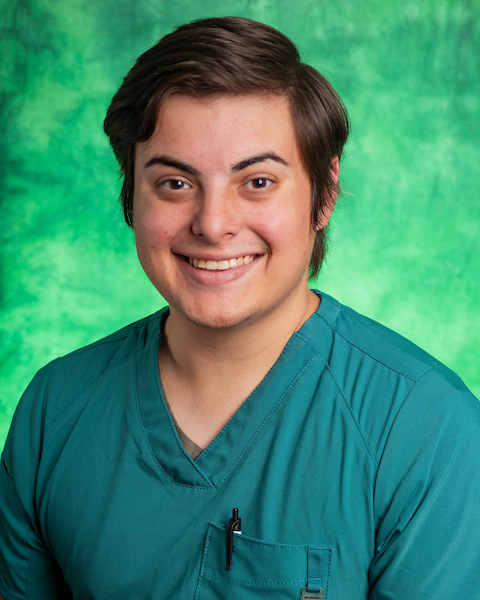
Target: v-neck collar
217,460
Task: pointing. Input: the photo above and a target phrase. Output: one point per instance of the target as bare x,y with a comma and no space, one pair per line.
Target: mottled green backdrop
405,239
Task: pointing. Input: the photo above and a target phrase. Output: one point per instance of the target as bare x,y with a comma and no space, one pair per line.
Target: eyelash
265,180
165,182
257,183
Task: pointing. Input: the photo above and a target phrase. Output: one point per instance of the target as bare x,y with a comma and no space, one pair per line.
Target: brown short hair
231,55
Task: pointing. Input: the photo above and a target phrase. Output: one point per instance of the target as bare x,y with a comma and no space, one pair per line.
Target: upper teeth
220,265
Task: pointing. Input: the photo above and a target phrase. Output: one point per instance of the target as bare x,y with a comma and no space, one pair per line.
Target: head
233,55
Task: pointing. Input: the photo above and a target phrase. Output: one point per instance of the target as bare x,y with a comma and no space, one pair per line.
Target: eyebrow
243,164
168,161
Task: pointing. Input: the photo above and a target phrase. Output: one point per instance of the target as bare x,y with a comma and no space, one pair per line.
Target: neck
208,373
193,347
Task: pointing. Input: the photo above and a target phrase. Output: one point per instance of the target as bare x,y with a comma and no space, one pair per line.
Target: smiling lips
220,265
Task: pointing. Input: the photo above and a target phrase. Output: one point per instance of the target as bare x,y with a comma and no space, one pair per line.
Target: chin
217,316
217,321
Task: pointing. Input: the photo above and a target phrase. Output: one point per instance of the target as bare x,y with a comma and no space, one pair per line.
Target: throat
190,447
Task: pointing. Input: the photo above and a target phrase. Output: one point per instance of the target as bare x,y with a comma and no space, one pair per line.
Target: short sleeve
427,497
27,569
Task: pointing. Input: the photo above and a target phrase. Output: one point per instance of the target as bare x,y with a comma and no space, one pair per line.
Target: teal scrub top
355,468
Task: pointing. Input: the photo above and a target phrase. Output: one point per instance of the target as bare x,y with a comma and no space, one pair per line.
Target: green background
404,246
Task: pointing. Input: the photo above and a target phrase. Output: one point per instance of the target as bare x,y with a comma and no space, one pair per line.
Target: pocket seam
272,544
255,582
203,575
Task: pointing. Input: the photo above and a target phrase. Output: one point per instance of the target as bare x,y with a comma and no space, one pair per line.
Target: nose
216,215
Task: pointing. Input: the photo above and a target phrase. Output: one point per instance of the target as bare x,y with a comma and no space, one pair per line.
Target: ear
331,197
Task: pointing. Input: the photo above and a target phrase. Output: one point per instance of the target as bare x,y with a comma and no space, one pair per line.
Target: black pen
234,526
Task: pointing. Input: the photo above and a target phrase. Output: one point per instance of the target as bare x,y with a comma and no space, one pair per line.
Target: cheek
154,235
281,224
155,229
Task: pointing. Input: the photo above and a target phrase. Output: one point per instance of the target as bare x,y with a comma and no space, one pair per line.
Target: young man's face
222,209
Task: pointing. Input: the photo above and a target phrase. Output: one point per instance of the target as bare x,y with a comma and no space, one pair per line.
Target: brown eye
260,182
175,184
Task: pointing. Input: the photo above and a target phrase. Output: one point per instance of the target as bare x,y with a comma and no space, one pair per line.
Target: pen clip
234,526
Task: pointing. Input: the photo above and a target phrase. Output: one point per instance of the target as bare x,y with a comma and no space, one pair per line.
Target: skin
222,178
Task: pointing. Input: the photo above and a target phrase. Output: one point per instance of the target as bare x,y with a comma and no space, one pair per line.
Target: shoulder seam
87,348
106,340
65,411
394,420
375,358
347,404
399,411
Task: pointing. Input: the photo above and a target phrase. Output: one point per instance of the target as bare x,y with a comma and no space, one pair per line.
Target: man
257,439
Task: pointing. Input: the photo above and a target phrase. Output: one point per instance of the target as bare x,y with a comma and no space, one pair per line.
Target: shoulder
371,340
116,347
386,379
59,384
366,344
69,393
83,366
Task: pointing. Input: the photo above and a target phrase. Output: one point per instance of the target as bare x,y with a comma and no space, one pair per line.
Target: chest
127,513
122,526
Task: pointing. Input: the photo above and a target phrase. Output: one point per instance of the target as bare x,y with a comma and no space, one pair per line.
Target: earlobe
330,198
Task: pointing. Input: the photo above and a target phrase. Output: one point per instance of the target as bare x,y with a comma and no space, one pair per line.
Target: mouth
220,265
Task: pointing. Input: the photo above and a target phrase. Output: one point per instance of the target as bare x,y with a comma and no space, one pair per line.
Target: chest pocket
260,570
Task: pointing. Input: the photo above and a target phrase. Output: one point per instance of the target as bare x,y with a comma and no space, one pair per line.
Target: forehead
223,127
